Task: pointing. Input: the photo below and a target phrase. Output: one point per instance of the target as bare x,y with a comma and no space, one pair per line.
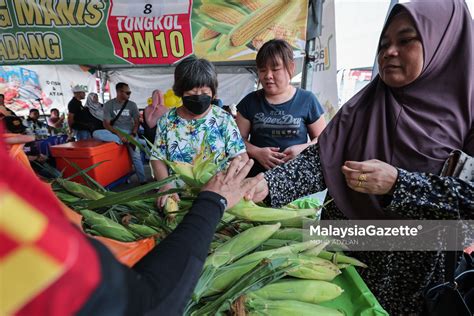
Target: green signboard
144,32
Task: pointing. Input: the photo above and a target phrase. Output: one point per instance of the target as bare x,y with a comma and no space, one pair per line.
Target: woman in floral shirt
181,131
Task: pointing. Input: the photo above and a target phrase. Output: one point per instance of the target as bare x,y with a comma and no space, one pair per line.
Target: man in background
33,121
77,118
121,116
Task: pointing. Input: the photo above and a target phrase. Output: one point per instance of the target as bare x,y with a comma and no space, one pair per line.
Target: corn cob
252,5
94,218
79,190
309,291
231,250
250,211
116,232
142,230
106,227
259,306
275,243
221,13
298,222
171,206
67,198
258,21
277,31
289,234
265,272
340,258
240,245
184,170
205,34
229,274
206,21
309,268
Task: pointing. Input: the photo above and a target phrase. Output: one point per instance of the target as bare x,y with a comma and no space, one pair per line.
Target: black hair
34,110
272,51
194,73
120,85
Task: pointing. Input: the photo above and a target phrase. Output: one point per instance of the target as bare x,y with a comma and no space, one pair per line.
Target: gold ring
362,177
359,184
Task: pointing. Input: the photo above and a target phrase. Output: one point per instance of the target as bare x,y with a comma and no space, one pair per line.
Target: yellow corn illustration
205,34
277,31
252,5
221,13
259,21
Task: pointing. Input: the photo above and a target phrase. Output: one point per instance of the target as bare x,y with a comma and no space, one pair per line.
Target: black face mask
197,104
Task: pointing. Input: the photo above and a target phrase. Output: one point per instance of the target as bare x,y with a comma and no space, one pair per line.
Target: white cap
79,88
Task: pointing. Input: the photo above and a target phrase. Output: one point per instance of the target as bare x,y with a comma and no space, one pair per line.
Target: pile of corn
258,263
128,216
245,275
247,23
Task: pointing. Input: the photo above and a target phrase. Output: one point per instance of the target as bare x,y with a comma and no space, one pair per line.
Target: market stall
139,43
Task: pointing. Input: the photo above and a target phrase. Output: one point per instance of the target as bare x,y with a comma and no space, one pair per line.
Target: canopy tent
145,32
138,42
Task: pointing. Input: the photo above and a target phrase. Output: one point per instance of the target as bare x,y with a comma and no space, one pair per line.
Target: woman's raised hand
370,176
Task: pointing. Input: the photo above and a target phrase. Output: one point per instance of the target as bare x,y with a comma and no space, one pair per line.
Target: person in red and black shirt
57,270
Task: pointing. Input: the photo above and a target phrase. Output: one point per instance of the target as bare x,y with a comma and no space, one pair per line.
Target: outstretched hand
231,184
370,176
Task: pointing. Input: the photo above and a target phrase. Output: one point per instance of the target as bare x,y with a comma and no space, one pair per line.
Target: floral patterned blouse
397,279
178,139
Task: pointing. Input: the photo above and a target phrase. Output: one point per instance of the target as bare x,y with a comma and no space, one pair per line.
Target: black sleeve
429,196
172,269
296,178
163,281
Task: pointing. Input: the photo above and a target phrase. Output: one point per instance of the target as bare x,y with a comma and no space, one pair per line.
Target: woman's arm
423,195
160,171
296,178
314,130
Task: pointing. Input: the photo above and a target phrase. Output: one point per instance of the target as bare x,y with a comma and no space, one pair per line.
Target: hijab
414,127
95,108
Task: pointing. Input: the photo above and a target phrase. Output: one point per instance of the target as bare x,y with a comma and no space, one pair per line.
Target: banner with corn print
234,30
145,31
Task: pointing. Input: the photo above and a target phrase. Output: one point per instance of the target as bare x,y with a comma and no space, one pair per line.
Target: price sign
150,32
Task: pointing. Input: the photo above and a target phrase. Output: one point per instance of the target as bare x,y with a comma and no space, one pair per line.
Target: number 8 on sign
149,7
